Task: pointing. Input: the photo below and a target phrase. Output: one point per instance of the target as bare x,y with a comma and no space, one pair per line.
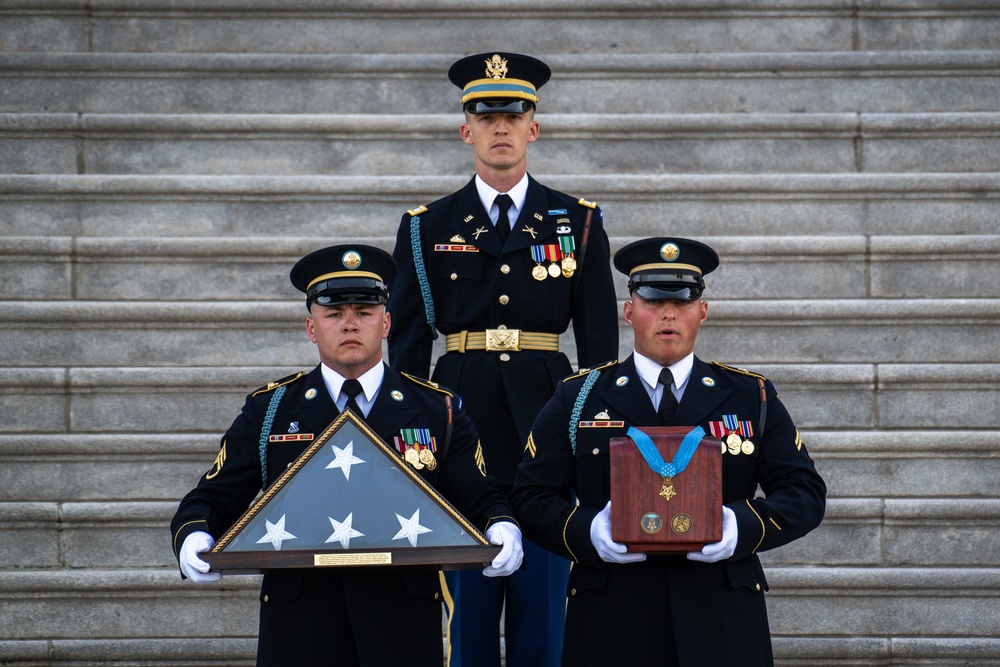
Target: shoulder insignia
427,383
587,371
741,371
588,204
417,211
271,386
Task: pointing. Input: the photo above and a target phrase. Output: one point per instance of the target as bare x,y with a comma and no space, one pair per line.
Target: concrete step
901,464
408,26
45,468
884,602
396,145
874,532
239,652
633,205
206,399
148,652
124,604
878,603
895,651
95,334
117,534
797,82
754,267
907,462
899,532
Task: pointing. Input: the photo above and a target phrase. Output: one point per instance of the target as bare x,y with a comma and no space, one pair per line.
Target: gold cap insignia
496,67
670,251
351,259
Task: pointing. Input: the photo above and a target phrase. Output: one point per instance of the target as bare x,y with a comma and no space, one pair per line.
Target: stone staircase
164,162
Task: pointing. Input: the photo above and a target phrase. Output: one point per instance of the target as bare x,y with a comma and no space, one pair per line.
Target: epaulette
427,383
587,371
588,204
271,386
417,211
741,371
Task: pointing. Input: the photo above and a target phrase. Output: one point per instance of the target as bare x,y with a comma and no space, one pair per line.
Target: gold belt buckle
503,340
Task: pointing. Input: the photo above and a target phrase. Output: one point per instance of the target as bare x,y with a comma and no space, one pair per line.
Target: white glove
193,567
609,550
507,535
713,553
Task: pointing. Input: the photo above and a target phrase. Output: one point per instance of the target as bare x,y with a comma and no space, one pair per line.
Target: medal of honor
667,490
667,471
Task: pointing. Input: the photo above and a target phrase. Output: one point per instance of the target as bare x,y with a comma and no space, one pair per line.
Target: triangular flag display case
350,501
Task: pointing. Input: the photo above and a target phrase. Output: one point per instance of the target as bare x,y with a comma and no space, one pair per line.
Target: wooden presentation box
642,515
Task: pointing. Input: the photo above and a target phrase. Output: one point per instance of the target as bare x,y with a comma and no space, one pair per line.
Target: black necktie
352,388
668,403
503,222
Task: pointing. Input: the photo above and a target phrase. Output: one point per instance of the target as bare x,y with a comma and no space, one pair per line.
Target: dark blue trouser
535,598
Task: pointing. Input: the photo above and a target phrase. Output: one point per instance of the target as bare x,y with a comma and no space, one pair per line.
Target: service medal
412,457
747,447
733,442
425,456
568,264
538,254
554,270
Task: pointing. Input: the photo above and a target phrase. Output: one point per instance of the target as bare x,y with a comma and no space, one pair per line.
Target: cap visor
667,293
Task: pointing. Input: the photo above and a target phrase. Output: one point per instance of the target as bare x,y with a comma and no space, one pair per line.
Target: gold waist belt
501,340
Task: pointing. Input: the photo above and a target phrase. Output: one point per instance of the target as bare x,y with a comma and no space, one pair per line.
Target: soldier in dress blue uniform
626,608
356,617
501,268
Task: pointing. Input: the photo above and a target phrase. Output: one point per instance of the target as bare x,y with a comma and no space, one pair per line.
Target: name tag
602,424
291,437
454,247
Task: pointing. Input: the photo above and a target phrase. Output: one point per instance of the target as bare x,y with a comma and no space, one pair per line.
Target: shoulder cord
418,263
581,398
265,433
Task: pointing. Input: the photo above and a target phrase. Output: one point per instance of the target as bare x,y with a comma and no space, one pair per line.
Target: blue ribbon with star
652,455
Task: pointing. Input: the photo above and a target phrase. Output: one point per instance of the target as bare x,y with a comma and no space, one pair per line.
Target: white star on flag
343,532
276,533
410,528
344,459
